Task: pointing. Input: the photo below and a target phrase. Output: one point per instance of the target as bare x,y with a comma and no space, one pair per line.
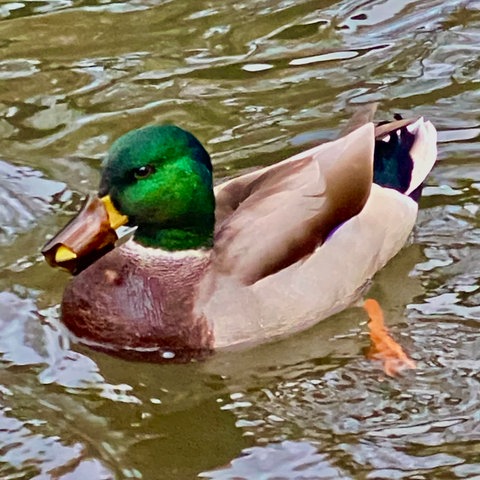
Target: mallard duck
256,258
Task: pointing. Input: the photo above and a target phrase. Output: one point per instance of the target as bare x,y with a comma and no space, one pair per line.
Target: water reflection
286,460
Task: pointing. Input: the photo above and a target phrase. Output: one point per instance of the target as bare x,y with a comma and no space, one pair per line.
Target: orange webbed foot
384,347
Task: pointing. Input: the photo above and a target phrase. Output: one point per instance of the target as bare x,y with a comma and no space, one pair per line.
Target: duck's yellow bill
87,237
64,254
115,218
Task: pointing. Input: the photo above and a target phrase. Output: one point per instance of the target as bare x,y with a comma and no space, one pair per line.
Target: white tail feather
423,152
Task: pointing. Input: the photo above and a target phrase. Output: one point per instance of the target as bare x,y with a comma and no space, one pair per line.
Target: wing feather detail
277,216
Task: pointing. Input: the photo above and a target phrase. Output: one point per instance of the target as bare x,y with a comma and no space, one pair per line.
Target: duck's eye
143,172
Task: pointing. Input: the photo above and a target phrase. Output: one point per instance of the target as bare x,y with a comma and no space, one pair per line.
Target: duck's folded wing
277,216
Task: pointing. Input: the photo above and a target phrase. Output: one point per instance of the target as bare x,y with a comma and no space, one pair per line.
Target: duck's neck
178,237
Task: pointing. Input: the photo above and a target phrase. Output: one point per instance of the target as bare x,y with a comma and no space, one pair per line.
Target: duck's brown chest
138,300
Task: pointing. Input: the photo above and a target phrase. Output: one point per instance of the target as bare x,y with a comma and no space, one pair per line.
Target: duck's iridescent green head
161,178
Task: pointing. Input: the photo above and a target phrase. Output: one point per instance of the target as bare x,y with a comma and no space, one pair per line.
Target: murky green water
255,80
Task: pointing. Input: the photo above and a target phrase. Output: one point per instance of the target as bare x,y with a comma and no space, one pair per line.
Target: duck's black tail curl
393,164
